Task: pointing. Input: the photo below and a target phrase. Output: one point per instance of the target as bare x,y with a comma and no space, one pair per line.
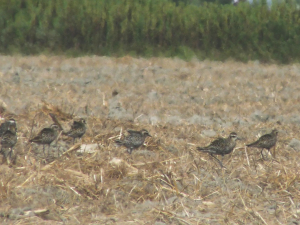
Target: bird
134,140
77,130
6,125
266,141
221,146
46,136
9,139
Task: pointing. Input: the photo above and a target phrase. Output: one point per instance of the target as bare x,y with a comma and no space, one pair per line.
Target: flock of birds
223,146
8,134
220,146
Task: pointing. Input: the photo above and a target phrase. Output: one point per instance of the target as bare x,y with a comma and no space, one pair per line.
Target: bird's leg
129,150
48,150
10,152
4,157
74,141
274,151
269,151
262,154
44,149
217,160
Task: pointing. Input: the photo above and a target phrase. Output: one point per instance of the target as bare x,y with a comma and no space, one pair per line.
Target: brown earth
182,105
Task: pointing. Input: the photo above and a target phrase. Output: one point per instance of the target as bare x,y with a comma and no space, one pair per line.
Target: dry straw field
167,181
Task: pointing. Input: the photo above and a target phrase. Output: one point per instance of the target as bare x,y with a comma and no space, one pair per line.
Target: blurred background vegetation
210,29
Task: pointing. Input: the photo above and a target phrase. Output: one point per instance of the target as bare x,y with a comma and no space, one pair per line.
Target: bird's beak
149,135
240,138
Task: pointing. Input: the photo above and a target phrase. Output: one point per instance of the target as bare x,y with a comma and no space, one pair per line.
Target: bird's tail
66,133
252,144
119,142
203,149
35,139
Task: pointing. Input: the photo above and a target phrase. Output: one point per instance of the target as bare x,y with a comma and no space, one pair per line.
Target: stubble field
167,181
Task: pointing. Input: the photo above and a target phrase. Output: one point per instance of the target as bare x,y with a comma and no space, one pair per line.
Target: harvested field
167,181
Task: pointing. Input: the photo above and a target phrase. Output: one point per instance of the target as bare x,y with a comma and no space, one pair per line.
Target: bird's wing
268,142
212,145
43,133
7,137
134,140
218,142
263,140
76,125
133,131
3,128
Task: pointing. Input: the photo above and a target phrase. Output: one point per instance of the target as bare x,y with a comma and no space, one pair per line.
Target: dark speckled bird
6,125
266,141
9,139
46,136
77,129
221,146
134,140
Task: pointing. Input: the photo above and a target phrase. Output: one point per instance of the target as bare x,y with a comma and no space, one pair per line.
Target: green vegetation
150,28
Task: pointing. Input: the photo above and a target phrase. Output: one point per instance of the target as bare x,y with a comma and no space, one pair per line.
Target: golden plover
77,129
221,146
134,140
266,141
46,136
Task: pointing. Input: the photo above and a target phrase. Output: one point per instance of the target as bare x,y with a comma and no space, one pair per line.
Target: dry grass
166,180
